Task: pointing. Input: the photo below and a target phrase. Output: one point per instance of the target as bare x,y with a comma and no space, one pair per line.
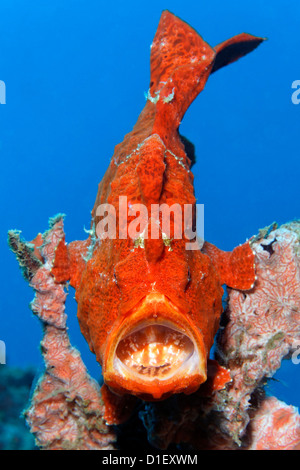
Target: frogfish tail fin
234,48
181,62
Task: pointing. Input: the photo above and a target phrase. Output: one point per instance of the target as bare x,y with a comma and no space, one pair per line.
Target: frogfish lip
154,352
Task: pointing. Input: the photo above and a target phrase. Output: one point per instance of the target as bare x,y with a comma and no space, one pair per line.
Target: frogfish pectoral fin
70,261
217,379
236,268
117,408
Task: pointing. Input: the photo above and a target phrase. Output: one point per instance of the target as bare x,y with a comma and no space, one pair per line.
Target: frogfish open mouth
155,350
148,306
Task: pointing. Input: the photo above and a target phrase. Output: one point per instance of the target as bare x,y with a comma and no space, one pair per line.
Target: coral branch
264,323
66,411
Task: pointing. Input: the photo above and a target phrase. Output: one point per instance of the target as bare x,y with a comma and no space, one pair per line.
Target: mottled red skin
117,275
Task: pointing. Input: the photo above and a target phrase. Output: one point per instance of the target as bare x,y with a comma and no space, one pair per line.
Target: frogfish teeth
148,307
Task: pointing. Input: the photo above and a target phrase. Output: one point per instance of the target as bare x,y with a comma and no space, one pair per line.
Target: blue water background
75,74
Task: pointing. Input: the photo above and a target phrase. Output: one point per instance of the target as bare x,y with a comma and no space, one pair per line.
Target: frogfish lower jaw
155,352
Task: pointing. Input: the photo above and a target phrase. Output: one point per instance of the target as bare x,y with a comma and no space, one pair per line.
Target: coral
261,328
264,323
66,411
276,426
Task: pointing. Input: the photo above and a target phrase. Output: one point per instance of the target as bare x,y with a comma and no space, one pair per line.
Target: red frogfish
148,307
